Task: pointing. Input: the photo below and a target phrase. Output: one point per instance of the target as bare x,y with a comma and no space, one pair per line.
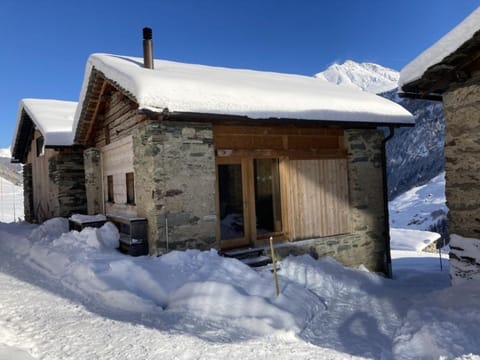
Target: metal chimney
147,48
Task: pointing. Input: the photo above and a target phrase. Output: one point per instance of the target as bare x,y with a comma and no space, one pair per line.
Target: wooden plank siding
117,161
44,198
118,119
318,198
277,141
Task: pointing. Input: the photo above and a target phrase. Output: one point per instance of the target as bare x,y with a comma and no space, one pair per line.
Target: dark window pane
39,145
110,188
130,188
267,196
231,201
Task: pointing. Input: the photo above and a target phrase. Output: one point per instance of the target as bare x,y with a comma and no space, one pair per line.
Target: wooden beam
97,107
413,95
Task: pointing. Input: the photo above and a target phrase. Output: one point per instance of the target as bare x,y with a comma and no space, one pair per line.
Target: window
130,188
40,146
110,188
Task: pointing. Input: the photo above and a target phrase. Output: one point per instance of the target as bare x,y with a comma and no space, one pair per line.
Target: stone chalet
449,71
54,180
227,158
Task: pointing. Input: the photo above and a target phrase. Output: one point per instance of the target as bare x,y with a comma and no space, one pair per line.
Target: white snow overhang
438,54
53,118
198,89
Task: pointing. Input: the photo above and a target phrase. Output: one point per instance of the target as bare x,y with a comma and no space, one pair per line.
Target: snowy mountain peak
368,77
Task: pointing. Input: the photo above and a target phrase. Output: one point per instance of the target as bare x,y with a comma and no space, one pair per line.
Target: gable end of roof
23,138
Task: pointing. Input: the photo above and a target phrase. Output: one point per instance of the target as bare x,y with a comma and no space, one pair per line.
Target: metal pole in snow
14,196
440,253
274,263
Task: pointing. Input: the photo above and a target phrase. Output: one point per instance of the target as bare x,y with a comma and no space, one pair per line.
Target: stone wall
366,243
28,193
462,160
462,175
66,171
174,165
93,180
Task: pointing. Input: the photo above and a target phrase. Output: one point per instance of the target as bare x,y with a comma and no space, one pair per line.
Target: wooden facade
44,194
312,181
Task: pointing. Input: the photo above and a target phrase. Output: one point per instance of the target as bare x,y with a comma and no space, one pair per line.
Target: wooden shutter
318,198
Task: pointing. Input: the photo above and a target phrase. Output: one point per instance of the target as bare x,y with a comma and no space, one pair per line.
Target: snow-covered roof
53,118
189,88
441,49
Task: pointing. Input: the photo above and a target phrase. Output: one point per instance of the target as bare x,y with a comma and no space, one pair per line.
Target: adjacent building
449,71
54,180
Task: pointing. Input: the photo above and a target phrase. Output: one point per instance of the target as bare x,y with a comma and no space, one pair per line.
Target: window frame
130,188
110,189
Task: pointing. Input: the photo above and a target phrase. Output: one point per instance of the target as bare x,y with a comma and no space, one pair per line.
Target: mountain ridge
365,76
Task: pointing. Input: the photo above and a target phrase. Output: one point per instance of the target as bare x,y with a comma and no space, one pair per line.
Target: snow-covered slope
11,202
415,154
421,207
9,171
5,153
368,77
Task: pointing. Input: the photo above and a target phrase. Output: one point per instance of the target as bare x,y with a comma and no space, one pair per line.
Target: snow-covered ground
11,200
71,295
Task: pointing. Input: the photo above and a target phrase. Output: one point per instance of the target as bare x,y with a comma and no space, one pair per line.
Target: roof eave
205,117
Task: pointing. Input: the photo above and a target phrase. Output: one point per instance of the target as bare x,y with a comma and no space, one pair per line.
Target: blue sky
45,43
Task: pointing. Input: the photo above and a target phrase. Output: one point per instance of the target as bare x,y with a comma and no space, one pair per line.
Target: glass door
268,211
249,202
231,204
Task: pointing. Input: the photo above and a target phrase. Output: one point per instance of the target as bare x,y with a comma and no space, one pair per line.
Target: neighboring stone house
227,158
449,71
54,180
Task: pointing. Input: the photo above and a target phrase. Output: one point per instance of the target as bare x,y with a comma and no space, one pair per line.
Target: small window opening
110,188
130,180
40,146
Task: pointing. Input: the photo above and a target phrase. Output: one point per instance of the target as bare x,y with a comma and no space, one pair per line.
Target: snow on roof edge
129,74
52,136
447,45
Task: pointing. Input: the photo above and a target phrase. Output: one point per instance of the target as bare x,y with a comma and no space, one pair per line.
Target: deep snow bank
224,301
